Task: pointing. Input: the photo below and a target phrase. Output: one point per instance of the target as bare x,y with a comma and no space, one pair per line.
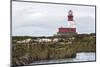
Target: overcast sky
41,19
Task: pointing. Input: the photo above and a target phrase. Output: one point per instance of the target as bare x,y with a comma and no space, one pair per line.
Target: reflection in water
85,57
79,57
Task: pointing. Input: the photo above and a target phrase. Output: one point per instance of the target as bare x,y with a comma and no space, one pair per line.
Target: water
79,57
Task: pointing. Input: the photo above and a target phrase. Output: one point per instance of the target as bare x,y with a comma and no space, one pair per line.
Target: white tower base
71,24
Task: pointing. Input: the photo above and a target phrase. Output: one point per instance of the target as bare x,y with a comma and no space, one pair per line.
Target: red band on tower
70,15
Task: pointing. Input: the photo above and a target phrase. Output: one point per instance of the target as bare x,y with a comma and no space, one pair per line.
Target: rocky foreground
26,52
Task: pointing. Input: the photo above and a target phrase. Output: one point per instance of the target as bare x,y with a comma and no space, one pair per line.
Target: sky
42,19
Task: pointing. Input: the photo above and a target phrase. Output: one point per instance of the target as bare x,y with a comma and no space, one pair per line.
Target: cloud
37,19
85,24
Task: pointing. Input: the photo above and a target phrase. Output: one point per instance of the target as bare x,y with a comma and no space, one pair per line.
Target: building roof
65,30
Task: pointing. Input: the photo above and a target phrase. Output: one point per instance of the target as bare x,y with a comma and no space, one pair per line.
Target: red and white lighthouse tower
71,22
70,30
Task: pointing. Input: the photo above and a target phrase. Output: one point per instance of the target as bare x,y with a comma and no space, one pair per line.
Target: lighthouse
71,22
70,29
